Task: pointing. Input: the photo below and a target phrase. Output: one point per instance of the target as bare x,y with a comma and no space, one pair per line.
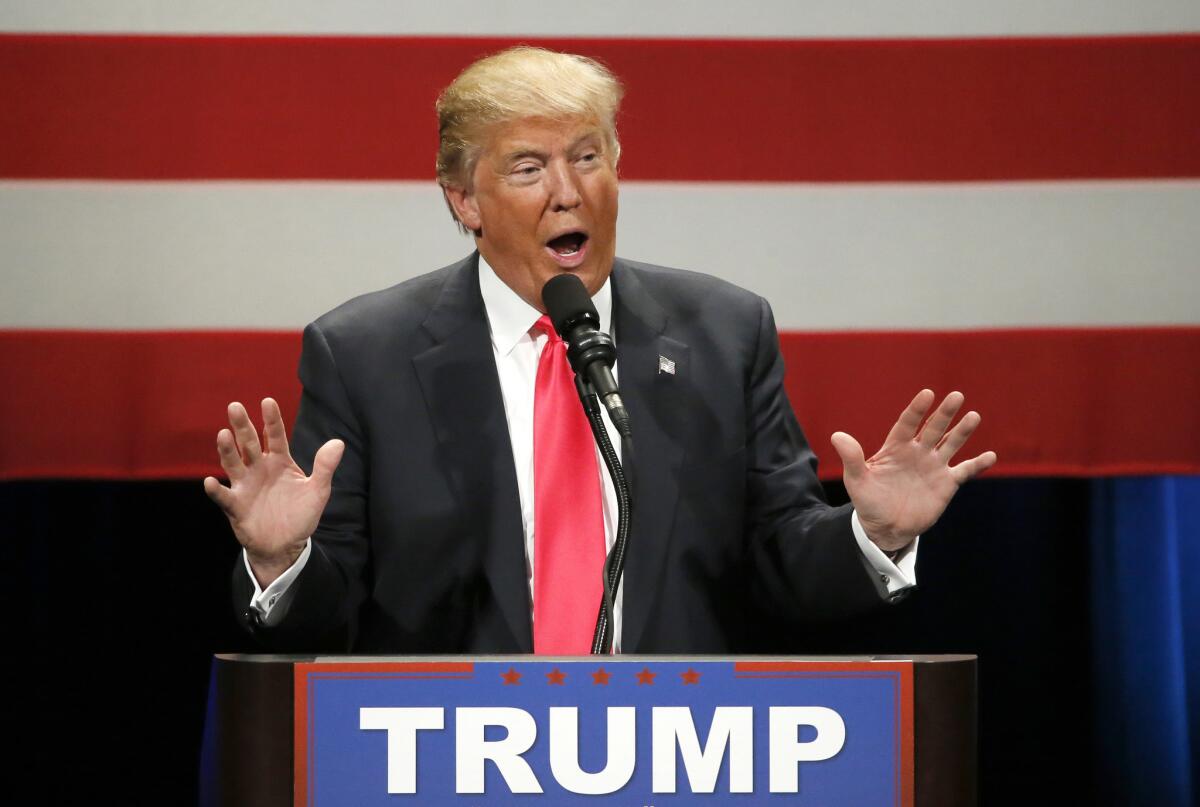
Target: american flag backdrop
997,198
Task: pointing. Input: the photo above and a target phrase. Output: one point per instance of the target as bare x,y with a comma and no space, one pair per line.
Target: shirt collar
510,317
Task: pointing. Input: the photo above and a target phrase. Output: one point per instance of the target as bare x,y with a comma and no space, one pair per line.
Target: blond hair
521,82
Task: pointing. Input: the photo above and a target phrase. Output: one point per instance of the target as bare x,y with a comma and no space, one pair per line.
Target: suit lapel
462,393
655,400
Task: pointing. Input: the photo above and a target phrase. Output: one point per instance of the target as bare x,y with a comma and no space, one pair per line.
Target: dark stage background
125,587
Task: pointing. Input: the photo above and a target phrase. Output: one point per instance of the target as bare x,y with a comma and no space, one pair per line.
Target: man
452,504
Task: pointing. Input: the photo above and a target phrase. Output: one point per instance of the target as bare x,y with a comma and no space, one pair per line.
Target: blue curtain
1146,639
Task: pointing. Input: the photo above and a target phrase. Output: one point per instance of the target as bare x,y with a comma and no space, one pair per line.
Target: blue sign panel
621,730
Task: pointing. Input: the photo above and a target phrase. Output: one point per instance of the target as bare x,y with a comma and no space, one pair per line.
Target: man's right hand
271,505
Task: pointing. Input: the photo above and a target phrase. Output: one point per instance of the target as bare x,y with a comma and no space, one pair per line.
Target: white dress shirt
517,346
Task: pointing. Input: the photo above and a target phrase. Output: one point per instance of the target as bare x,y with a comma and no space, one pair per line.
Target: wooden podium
270,713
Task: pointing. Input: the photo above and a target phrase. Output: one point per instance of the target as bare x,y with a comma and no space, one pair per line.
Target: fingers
326,462
935,428
231,460
245,433
851,453
968,469
274,432
911,418
220,494
957,437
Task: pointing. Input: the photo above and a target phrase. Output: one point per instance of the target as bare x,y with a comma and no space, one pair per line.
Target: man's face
543,201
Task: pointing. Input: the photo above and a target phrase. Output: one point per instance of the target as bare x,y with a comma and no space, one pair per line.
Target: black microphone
590,350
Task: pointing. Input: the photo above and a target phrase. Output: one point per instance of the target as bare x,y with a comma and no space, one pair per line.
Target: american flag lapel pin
665,365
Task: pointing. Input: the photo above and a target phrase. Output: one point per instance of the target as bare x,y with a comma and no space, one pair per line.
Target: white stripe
275,255
667,18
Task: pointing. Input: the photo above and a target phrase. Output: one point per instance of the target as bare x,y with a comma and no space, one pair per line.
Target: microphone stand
614,563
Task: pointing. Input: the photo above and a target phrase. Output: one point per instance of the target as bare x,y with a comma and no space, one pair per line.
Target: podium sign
619,730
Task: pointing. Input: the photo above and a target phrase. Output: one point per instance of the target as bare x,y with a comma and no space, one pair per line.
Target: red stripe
1055,402
160,107
131,405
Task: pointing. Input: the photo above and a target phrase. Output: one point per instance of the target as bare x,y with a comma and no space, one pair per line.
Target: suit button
885,579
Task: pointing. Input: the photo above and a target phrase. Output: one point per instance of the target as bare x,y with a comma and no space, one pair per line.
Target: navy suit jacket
421,549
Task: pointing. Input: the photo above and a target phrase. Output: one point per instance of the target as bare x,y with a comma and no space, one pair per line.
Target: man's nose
564,187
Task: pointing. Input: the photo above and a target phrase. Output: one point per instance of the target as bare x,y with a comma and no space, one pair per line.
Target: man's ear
462,202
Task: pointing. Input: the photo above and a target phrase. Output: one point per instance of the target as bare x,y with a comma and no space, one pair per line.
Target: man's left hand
902,490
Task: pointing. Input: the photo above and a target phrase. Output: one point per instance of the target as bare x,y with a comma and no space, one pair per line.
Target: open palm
271,504
905,486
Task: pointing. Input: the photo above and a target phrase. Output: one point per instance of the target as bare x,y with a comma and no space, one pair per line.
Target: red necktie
568,519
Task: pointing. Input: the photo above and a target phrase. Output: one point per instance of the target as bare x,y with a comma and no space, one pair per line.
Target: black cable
614,563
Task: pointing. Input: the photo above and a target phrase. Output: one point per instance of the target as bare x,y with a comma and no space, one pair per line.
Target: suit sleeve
330,588
806,561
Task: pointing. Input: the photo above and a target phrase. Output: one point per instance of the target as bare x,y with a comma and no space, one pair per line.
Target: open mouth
567,244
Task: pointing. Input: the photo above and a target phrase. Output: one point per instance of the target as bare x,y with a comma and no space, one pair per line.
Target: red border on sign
391,667
321,670
300,747
901,671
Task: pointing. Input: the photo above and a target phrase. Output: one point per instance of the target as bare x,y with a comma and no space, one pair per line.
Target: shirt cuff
272,604
894,575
